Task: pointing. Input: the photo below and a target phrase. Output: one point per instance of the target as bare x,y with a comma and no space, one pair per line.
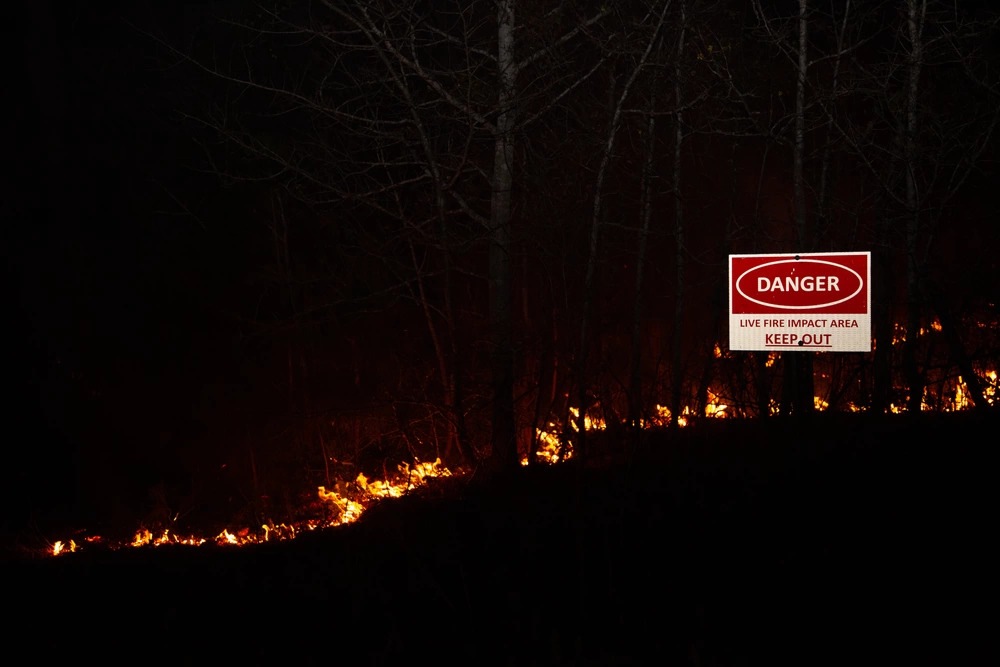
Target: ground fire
348,501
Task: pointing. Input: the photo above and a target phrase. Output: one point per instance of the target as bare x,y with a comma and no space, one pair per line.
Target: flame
715,407
662,415
961,400
550,448
589,423
60,547
991,389
345,506
553,448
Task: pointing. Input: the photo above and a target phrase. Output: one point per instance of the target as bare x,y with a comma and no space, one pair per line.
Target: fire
663,416
409,479
991,390
346,502
961,399
145,537
715,407
552,448
899,331
345,505
589,423
59,547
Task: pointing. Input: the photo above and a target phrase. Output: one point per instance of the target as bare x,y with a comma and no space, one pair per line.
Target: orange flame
345,509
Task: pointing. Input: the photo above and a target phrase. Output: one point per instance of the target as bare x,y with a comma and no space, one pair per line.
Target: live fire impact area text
788,302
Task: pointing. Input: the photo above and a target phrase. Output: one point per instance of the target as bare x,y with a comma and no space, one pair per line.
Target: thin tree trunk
763,388
882,319
916,11
822,212
800,369
646,207
595,232
677,371
798,177
504,436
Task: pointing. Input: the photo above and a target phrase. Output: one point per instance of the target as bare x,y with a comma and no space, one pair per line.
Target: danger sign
817,301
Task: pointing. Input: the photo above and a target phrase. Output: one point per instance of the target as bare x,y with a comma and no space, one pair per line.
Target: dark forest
256,249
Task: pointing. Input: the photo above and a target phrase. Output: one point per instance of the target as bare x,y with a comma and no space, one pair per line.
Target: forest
416,319
371,233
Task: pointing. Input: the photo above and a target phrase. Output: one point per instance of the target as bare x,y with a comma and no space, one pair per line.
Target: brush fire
347,502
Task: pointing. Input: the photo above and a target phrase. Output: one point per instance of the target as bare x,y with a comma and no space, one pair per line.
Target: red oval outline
861,284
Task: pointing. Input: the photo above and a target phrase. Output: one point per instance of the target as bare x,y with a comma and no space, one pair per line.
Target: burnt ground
840,540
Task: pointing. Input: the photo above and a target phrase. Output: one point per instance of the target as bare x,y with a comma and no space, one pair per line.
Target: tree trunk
882,320
914,379
677,370
504,436
646,207
800,365
595,232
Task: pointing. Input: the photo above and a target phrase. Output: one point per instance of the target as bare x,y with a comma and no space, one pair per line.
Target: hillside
839,540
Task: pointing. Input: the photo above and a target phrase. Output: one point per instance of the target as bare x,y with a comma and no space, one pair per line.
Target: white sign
808,302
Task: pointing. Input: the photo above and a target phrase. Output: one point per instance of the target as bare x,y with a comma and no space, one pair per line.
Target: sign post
808,302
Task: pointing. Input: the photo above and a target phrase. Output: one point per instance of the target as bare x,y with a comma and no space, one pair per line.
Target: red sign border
763,259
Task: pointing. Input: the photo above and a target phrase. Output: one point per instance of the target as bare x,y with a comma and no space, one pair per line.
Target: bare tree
393,103
655,22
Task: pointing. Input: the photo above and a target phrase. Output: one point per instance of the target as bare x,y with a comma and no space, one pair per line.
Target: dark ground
840,541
